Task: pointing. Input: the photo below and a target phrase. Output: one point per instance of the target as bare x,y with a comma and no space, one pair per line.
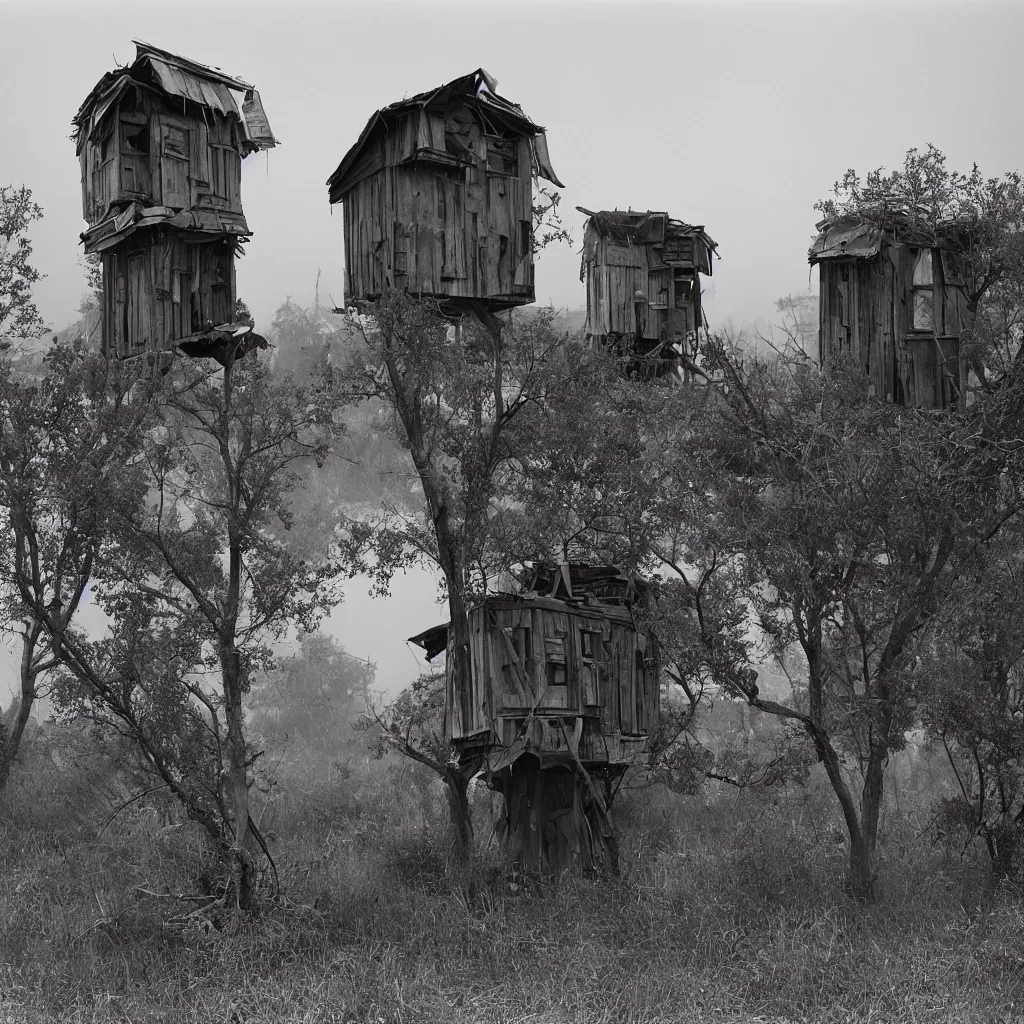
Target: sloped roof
861,236
480,89
183,78
644,227
846,237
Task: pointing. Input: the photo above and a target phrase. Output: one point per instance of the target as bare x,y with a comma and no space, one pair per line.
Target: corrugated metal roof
176,81
185,79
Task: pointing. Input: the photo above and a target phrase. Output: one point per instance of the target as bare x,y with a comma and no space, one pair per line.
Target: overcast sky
738,116
734,115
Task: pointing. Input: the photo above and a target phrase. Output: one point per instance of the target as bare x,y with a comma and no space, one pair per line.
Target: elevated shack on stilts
562,698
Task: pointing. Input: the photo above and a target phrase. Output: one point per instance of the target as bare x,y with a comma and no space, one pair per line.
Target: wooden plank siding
530,672
144,152
418,218
866,319
654,276
164,289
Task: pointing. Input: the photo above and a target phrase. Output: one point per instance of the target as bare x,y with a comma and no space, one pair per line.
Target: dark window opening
522,643
525,237
502,156
136,140
557,692
590,645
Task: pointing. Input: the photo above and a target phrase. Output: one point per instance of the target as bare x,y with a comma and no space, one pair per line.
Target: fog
735,116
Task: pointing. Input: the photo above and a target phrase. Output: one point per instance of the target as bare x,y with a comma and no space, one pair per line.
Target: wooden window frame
916,289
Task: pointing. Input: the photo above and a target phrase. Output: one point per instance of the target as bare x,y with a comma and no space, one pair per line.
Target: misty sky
738,116
734,115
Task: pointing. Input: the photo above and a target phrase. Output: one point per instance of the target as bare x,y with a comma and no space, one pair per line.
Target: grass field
729,908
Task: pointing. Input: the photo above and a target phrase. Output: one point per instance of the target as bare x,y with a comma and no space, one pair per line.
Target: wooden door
138,304
452,204
174,153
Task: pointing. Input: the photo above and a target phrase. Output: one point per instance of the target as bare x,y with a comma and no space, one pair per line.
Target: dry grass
729,909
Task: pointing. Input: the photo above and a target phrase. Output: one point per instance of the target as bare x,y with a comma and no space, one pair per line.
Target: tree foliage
19,317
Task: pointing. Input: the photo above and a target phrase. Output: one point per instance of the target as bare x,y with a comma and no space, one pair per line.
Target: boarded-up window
516,659
225,175
502,156
451,207
639,689
659,285
174,164
923,287
104,168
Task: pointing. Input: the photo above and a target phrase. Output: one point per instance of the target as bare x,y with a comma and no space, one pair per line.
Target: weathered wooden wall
559,662
421,217
143,152
617,270
866,316
163,288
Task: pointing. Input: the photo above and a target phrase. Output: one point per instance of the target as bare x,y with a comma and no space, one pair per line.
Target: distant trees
67,444
971,681
310,700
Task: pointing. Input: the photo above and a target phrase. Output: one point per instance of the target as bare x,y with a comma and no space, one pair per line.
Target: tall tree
461,397
971,680
66,442
199,579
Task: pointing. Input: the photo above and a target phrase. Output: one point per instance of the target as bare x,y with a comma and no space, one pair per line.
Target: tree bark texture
456,781
557,819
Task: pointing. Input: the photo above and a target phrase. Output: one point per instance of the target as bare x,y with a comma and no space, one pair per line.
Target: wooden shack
563,695
161,144
892,303
438,198
642,273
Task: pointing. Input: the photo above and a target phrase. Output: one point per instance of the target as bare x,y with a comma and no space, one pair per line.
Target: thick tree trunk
15,728
236,783
557,819
456,781
14,732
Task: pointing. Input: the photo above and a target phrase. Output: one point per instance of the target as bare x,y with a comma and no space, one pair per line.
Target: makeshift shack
563,696
642,272
893,304
437,195
161,144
